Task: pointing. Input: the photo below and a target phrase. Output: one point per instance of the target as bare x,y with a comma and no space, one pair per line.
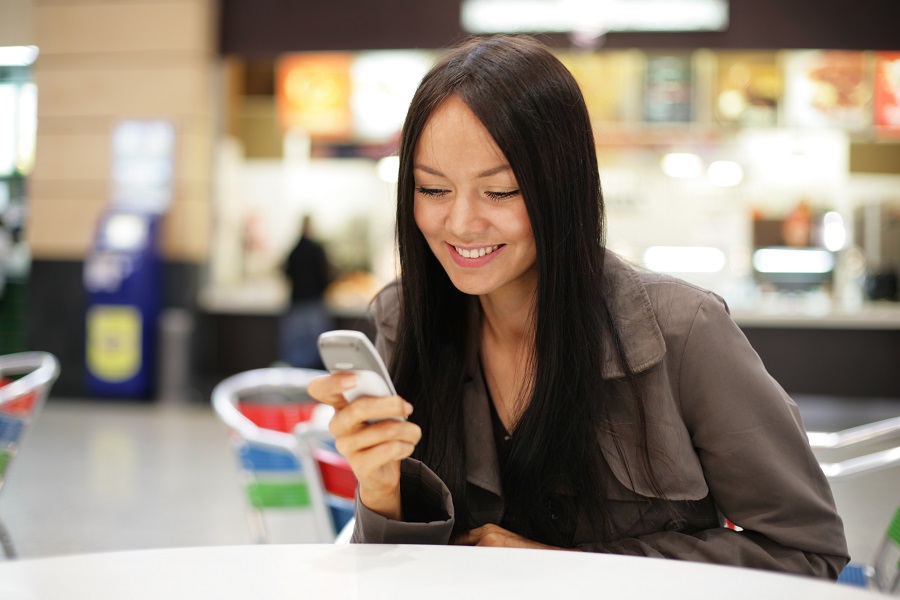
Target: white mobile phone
351,351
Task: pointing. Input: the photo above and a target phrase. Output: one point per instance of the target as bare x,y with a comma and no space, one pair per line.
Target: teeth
476,253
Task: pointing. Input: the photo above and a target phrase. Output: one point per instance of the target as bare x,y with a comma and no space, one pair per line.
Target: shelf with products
634,96
653,95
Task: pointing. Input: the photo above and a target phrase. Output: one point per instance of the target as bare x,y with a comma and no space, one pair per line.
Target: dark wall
55,317
54,320
831,362
270,27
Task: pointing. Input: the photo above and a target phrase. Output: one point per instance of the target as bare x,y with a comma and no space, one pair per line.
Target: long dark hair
534,110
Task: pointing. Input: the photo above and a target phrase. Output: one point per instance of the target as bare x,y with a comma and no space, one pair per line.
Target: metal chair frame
301,444
858,436
38,371
882,574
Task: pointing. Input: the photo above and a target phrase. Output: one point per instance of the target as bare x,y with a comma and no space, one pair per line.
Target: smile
475,252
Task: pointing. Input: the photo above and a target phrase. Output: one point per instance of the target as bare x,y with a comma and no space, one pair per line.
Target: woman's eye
433,192
497,196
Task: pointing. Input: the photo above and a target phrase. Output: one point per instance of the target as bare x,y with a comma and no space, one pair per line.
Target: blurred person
307,271
555,396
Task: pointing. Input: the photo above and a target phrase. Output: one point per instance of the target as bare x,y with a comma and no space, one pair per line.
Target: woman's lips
473,256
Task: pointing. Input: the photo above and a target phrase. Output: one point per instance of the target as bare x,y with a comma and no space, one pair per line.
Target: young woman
557,397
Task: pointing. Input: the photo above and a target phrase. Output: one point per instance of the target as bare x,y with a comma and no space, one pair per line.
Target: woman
555,396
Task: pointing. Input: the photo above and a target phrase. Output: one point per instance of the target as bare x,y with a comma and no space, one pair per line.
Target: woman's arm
426,508
373,435
756,461
428,515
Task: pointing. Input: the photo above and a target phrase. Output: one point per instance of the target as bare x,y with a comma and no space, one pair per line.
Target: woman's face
469,207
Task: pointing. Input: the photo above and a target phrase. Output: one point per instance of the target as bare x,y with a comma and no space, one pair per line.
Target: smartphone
351,351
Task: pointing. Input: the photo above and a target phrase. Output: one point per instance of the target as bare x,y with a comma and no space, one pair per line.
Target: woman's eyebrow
429,170
487,173
494,171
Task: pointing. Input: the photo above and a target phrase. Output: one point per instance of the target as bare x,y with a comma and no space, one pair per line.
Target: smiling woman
474,219
559,398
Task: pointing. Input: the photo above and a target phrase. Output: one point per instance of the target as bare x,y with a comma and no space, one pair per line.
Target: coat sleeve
756,460
427,504
427,511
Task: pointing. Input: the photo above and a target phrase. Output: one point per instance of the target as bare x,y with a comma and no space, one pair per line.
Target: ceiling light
533,16
389,169
684,259
834,234
682,165
725,173
793,260
17,56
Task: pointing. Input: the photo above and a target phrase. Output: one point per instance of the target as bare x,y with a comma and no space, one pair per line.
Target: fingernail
407,408
348,381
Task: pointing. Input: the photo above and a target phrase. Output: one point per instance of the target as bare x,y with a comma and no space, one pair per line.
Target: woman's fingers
373,435
329,389
494,535
368,410
379,433
379,466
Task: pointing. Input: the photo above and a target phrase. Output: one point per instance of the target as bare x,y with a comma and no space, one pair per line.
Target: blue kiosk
123,279
123,273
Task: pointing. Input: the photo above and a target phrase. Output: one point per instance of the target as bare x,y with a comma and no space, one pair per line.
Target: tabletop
392,571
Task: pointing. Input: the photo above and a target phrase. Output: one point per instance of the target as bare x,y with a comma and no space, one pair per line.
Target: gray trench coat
735,443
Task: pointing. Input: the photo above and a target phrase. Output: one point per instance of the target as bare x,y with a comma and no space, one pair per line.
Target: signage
535,16
142,165
887,92
313,94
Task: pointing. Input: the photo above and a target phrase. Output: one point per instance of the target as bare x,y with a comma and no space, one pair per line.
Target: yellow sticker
113,342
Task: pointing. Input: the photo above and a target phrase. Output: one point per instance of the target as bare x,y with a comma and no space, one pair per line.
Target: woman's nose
465,216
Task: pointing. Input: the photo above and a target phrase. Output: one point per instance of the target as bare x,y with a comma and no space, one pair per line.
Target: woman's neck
506,350
507,316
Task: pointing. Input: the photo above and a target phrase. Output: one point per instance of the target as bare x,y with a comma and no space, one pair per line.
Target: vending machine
123,271
122,277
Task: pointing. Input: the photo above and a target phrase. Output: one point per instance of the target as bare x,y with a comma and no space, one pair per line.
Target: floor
97,476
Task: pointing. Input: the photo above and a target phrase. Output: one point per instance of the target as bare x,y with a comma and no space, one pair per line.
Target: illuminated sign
313,94
534,16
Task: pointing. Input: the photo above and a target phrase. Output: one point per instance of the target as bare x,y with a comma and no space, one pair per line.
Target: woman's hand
494,535
373,435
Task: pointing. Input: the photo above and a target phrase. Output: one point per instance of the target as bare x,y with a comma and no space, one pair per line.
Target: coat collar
629,303
632,313
642,341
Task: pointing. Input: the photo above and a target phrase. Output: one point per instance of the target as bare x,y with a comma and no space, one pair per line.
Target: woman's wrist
387,504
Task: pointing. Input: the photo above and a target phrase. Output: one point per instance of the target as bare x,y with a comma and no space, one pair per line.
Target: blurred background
157,159
751,147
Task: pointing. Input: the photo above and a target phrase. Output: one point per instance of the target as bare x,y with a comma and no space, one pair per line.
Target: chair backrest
854,436
335,479
262,408
884,571
886,565
25,381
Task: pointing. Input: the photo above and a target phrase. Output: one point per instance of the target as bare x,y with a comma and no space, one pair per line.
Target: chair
283,470
869,433
883,573
25,382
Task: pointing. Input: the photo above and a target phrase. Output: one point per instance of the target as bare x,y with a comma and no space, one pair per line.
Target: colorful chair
25,382
283,470
869,433
883,573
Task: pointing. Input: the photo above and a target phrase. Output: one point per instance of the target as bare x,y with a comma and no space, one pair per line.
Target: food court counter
831,351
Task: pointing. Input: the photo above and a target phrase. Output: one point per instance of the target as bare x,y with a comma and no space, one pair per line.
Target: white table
392,572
